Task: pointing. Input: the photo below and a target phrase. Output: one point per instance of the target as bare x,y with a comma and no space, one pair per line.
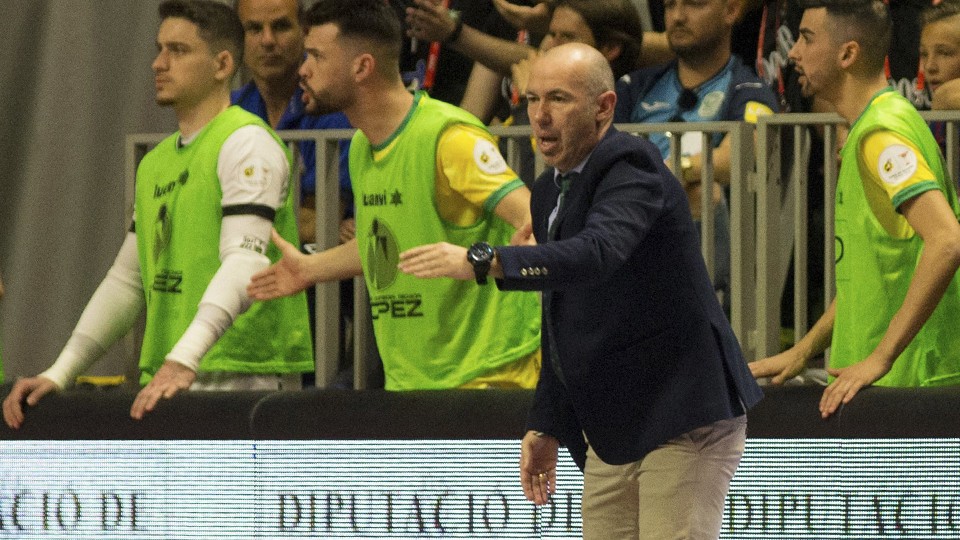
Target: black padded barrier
786,412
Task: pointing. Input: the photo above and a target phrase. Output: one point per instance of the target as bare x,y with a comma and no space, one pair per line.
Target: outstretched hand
436,260
27,391
171,378
849,381
429,20
283,278
780,367
535,18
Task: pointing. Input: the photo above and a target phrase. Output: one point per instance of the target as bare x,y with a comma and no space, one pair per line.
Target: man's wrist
457,26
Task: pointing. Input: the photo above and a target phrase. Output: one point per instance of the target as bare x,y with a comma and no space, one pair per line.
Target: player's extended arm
108,316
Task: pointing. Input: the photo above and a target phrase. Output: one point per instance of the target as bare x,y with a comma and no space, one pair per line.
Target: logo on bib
897,163
488,158
383,255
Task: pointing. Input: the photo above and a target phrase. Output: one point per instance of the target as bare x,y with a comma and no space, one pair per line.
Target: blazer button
523,271
544,270
536,271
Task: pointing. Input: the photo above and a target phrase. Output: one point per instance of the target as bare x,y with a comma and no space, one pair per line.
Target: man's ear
224,66
733,11
849,53
606,105
363,66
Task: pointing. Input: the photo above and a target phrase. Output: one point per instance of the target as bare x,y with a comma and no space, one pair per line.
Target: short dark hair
938,12
865,21
217,24
613,22
369,20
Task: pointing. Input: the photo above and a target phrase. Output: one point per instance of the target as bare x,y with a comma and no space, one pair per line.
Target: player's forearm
334,264
495,53
108,316
816,341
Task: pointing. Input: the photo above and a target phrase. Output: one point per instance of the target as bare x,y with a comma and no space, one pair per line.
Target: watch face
480,252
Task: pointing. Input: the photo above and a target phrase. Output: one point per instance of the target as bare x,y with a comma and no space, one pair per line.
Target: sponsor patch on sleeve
255,244
253,175
754,110
488,158
897,163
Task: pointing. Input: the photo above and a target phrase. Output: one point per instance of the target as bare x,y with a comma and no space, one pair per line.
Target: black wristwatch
480,255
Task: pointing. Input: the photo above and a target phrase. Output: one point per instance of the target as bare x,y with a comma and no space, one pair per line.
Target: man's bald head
585,62
570,101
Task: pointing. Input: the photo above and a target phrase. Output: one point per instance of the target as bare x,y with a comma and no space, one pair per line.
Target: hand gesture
534,18
538,466
436,260
780,367
429,20
849,381
25,390
283,278
171,378
520,72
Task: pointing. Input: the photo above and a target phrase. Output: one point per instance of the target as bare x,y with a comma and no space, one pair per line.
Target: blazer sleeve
619,214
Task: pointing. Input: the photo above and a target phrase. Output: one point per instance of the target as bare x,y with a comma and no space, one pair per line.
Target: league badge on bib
897,163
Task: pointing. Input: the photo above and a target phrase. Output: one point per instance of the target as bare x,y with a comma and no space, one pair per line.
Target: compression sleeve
109,315
254,177
243,241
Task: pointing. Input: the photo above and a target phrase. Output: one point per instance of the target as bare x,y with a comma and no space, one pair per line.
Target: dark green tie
565,181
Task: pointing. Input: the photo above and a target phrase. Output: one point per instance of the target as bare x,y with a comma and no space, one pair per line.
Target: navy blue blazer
645,350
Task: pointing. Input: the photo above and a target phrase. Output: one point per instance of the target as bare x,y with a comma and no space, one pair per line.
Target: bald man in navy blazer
642,379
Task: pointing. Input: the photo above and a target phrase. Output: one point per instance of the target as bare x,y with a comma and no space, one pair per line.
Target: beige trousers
675,492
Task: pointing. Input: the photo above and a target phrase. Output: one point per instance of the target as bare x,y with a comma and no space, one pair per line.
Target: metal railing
768,211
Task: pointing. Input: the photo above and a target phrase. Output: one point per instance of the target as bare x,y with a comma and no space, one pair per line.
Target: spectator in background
893,321
423,171
273,50
437,67
940,59
205,201
611,26
642,378
705,83
948,96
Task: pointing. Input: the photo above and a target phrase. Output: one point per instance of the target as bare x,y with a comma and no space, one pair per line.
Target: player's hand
538,466
849,381
27,391
780,367
436,260
535,18
520,72
171,378
283,278
429,20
